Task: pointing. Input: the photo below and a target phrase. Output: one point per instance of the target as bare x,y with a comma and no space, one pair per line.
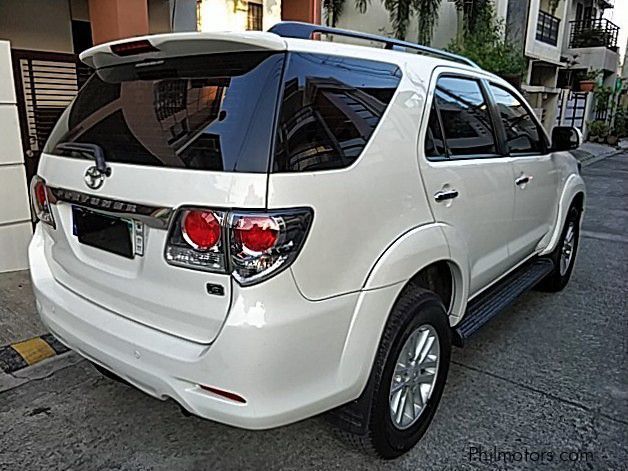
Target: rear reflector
133,47
226,394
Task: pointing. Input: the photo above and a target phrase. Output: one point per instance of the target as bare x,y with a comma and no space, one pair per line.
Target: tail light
251,246
41,198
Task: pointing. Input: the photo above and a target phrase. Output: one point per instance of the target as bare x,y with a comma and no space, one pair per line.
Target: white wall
540,50
37,25
15,225
376,20
223,15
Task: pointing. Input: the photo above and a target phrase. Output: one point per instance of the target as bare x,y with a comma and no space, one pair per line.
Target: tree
427,12
401,11
485,44
333,9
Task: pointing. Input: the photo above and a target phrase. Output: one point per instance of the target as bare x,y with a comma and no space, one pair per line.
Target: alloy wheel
414,376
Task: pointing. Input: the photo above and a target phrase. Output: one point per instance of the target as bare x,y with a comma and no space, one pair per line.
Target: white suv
264,227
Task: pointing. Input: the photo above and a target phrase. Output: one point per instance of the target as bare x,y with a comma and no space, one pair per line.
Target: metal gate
572,108
45,84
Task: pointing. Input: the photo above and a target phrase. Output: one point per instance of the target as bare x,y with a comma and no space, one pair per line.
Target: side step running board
498,297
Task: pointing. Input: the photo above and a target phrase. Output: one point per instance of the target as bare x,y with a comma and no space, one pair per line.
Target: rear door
469,183
175,131
535,175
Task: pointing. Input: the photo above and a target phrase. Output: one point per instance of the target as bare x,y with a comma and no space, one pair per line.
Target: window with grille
255,15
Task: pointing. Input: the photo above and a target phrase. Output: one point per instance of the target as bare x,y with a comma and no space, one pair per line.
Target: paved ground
550,375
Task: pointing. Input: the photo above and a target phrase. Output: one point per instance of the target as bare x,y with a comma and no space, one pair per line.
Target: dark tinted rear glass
209,112
465,117
330,108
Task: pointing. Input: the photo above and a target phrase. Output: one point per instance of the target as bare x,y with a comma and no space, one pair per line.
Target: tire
415,313
558,278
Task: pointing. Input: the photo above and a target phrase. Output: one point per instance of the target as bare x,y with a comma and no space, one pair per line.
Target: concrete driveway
544,385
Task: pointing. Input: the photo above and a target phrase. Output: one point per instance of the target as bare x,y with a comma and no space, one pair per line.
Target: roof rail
299,30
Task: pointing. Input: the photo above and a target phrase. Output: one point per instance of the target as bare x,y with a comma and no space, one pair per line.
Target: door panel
468,186
535,177
481,213
535,203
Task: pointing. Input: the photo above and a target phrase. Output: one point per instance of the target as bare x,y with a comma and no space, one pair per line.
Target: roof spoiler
175,44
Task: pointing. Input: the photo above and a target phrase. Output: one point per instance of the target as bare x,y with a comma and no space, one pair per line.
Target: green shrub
486,46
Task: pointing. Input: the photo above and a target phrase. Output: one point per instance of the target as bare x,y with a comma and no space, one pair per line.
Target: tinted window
522,132
330,107
465,116
209,112
434,145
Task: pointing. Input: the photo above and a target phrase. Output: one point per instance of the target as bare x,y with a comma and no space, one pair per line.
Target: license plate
115,235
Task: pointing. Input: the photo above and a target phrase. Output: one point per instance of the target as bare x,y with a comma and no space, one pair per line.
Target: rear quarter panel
361,210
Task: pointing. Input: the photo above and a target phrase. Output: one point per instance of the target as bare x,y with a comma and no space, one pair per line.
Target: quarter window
434,144
330,108
522,132
465,117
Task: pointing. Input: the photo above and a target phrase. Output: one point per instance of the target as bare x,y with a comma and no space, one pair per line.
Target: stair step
497,298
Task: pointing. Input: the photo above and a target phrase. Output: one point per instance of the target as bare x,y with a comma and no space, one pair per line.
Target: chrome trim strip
153,216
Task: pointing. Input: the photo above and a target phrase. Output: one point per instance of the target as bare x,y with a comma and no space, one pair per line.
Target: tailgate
144,288
179,131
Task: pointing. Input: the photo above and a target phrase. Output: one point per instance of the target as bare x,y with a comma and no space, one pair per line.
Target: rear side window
465,118
330,107
522,131
434,144
206,112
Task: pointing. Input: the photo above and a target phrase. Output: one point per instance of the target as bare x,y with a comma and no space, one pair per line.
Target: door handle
445,195
523,179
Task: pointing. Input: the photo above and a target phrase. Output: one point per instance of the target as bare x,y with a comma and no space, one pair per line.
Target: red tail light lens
40,201
255,246
200,229
40,193
257,233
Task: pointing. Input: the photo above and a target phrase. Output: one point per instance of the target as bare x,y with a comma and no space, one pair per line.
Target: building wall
15,225
377,20
37,25
538,49
158,16
231,15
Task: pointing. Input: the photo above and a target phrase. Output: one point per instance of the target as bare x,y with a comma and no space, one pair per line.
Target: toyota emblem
94,178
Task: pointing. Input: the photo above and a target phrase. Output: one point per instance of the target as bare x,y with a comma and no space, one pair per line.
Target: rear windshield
207,112
217,112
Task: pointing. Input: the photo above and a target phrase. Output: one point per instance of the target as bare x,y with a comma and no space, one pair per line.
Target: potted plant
604,131
620,127
598,131
602,95
592,131
590,79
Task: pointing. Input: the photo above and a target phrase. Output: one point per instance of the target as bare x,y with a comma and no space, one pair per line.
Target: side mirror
565,138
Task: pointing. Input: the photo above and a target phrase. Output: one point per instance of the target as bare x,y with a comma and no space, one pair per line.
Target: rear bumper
279,351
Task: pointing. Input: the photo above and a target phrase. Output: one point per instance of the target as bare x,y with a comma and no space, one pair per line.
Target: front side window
522,131
465,117
330,107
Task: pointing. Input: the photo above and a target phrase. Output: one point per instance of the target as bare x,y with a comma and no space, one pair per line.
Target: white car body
303,341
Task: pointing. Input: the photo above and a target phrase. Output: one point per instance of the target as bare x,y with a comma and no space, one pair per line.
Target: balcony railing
547,28
593,32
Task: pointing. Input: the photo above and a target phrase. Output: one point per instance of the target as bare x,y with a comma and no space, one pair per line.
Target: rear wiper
91,151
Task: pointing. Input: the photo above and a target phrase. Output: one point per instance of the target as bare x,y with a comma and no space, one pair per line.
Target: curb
19,355
596,158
